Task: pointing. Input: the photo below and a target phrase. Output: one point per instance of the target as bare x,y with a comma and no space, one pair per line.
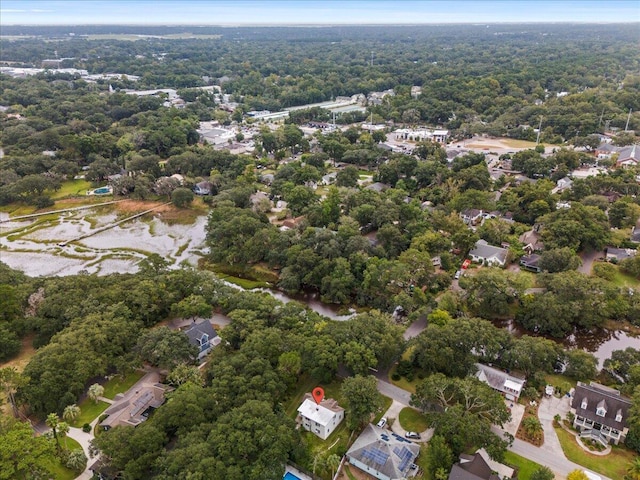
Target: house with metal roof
384,454
321,418
601,413
508,385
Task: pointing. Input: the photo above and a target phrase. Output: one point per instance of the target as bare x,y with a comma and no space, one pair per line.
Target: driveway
394,412
587,261
517,412
550,454
415,328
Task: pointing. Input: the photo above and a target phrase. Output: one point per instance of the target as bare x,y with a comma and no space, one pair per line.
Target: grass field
412,420
562,382
118,384
525,467
623,280
72,188
89,411
613,465
59,471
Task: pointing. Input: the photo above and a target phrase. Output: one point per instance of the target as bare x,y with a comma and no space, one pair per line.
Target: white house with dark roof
383,454
629,157
489,254
471,216
508,385
321,418
600,413
203,336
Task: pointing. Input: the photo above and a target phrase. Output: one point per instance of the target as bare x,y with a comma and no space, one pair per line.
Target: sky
300,12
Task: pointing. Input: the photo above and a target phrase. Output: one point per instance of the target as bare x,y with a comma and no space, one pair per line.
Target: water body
600,342
34,249
39,248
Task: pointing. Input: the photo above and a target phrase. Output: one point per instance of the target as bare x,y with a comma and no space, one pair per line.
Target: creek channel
48,247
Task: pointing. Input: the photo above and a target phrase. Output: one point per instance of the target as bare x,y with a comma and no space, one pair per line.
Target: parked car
457,275
382,422
414,435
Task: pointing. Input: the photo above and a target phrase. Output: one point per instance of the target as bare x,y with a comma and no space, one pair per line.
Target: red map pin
318,394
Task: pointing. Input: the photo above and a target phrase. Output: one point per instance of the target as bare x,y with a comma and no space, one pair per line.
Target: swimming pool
290,476
102,191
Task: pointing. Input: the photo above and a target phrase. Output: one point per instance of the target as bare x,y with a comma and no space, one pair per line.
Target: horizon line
311,24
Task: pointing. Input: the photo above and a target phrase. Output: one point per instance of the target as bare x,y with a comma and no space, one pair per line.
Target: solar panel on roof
375,455
141,403
405,456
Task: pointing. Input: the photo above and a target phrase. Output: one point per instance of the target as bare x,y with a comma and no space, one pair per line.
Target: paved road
587,261
555,462
415,328
393,392
551,456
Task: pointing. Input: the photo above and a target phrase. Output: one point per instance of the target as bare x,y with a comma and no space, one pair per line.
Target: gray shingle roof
596,396
197,330
384,451
488,252
472,467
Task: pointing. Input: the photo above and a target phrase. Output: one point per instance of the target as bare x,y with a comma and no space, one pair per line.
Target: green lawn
623,280
613,465
409,386
562,382
72,188
59,471
386,403
89,410
525,467
412,420
305,384
423,462
119,384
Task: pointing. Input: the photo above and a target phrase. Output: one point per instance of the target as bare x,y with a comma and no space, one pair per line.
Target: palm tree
318,462
333,462
633,471
71,413
77,460
96,390
59,429
532,427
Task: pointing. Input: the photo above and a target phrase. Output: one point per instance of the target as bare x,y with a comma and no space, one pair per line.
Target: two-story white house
320,418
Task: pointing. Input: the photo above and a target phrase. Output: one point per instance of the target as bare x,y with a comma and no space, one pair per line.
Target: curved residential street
550,454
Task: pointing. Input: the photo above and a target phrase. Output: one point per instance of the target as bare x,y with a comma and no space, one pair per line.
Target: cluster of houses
600,413
627,157
135,406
